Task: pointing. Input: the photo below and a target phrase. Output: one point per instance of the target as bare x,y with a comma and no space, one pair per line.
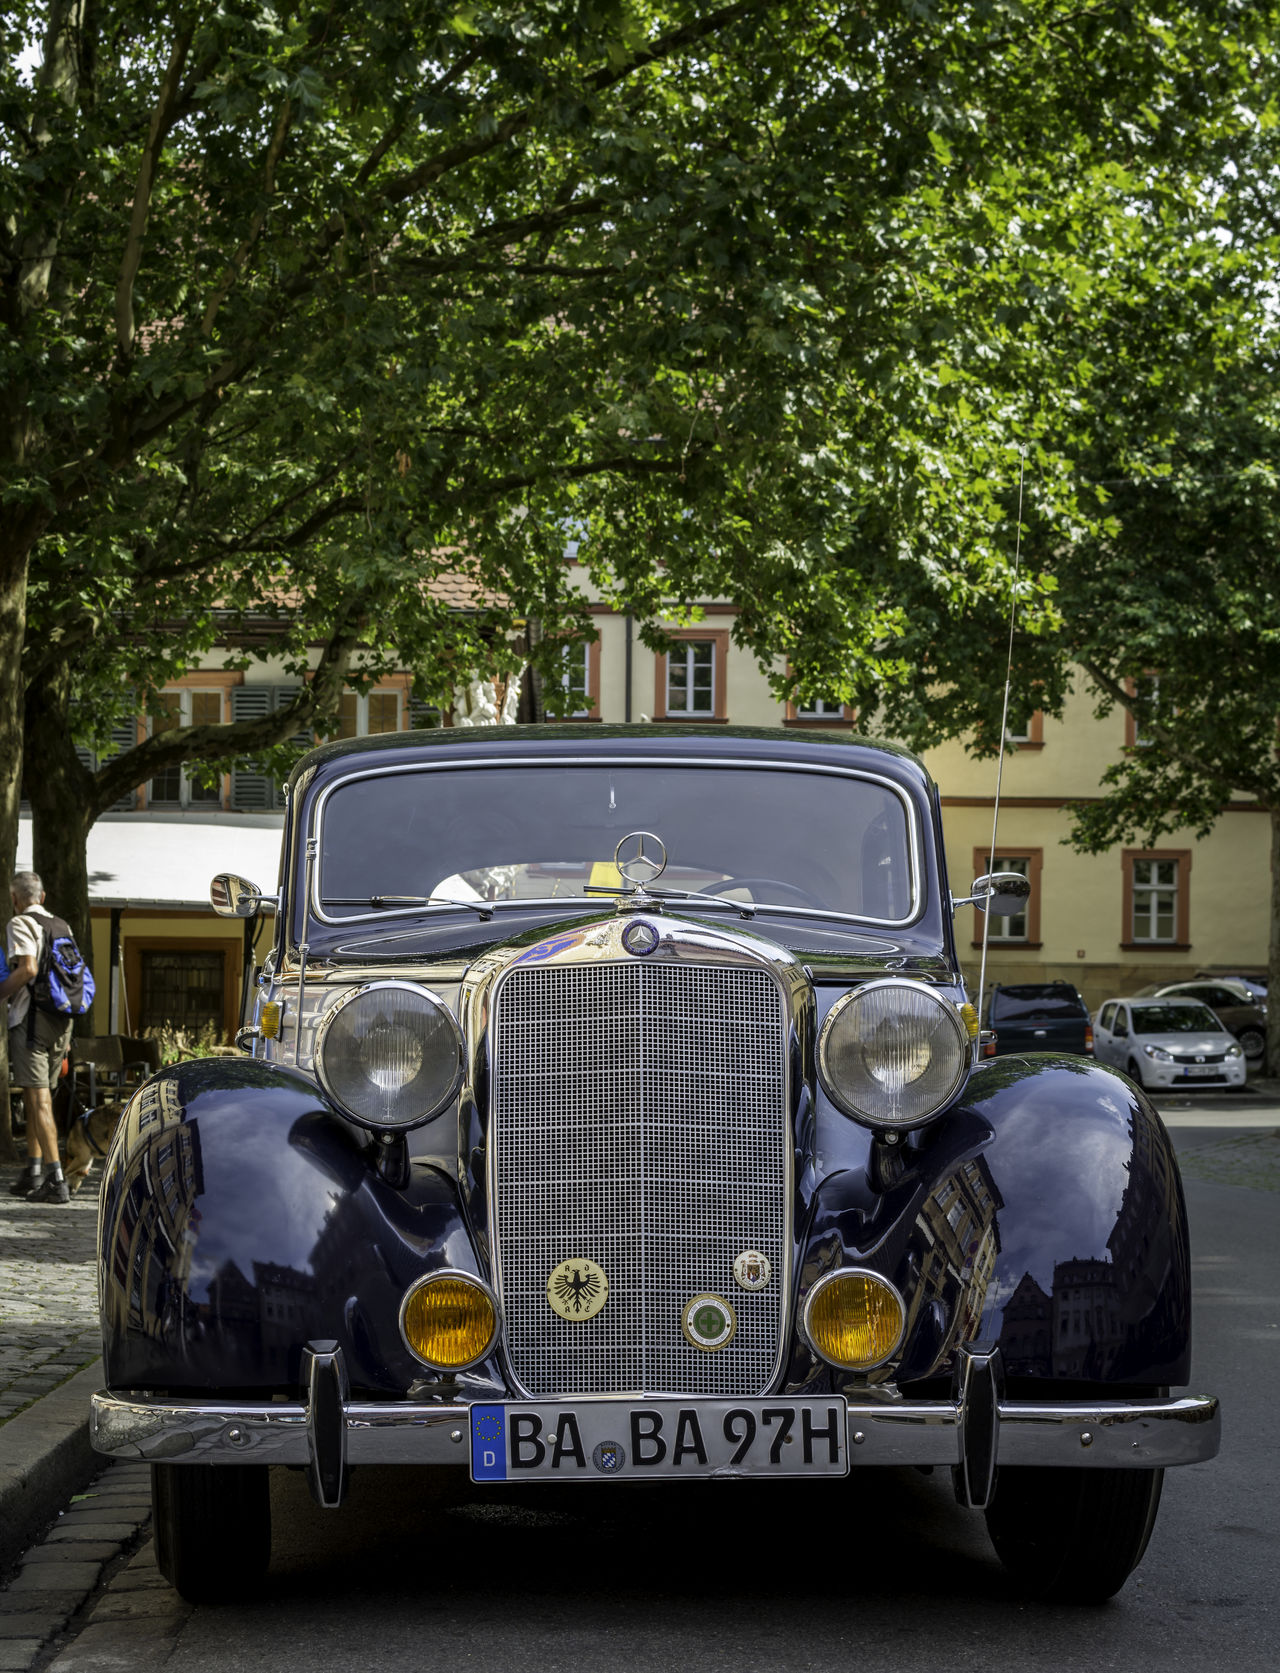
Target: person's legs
35,1064
18,1075
38,1106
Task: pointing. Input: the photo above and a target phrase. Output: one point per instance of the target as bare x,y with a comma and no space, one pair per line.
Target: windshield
1175,1019
1010,1004
831,842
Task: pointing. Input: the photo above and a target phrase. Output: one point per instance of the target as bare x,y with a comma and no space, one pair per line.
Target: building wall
180,931
1081,925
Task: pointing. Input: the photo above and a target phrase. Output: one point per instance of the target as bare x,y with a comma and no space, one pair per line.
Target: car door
1120,1040
1225,1005
1103,1046
1101,1033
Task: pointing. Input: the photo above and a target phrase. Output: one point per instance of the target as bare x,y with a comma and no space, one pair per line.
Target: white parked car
1167,1042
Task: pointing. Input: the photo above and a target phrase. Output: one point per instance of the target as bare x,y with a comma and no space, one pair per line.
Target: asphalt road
881,1570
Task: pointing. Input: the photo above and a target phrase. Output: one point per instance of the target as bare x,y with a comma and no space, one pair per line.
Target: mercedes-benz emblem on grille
640,857
709,1322
639,937
577,1289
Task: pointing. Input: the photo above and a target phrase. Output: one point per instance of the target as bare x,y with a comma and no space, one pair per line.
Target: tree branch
275,150
319,695
1172,749
162,118
426,174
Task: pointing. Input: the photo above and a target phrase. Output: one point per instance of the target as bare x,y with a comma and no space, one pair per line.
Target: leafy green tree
1173,614
738,291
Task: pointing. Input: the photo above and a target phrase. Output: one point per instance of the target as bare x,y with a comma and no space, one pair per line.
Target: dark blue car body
257,1244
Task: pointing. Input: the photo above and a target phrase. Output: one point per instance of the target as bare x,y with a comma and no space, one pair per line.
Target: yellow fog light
854,1319
449,1321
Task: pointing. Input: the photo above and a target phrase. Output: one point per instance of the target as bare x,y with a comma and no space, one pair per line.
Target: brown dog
88,1139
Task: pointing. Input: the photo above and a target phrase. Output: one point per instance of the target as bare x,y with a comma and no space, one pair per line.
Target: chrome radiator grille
639,1119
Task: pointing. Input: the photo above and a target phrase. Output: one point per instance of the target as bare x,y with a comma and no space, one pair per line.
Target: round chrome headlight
389,1054
893,1053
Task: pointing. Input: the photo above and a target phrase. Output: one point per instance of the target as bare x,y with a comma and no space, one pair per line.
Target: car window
833,841
1034,1000
1121,1029
1218,996
1104,1021
1174,1019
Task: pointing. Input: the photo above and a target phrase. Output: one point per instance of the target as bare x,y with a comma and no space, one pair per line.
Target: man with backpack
39,1031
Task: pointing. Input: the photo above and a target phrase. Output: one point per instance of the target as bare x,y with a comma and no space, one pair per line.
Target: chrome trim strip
915,855
324,1375
1134,1435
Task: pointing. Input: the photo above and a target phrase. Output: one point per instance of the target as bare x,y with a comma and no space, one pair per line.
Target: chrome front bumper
973,1433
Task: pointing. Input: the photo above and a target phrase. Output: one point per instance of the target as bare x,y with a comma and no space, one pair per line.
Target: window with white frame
820,708
1015,928
367,714
575,682
1146,705
691,677
1155,900
180,786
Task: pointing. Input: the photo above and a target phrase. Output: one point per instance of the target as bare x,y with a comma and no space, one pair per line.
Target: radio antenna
1004,724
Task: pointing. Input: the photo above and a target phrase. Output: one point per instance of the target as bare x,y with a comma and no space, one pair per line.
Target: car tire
1253,1043
212,1527
1134,1072
1073,1536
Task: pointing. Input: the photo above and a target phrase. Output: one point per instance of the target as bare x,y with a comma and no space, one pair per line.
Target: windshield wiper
391,903
744,908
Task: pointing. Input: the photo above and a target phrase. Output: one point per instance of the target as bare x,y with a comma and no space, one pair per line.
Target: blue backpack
63,985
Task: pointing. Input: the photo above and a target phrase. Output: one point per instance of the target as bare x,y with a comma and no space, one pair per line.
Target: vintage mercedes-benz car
613,1113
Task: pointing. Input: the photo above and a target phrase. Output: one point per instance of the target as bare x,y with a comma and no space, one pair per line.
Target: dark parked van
1039,1016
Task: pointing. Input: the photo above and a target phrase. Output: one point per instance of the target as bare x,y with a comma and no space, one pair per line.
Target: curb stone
55,1599
45,1457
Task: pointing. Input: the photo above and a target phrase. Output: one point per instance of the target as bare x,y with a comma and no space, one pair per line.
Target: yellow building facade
1110,924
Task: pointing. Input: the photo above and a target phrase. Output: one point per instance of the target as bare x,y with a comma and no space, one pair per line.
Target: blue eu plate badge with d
488,1444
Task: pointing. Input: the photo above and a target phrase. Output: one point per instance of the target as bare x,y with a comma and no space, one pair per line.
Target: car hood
1183,1043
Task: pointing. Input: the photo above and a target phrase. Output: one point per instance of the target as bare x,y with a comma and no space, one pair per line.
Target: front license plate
595,1440
1200,1069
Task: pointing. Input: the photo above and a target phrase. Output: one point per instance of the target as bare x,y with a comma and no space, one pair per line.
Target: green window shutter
251,792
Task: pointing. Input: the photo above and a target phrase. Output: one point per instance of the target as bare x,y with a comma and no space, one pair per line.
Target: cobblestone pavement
53,1606
1251,1159
48,1293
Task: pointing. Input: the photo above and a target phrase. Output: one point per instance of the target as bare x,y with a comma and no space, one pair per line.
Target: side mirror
234,897
1001,893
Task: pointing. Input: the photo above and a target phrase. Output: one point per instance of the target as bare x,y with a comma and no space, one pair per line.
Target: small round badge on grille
577,1289
640,937
751,1270
709,1322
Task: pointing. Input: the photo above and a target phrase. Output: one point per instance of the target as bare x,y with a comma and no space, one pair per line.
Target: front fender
242,1216
1044,1212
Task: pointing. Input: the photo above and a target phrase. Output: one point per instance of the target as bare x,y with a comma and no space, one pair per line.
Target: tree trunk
1273,959
59,787
17,536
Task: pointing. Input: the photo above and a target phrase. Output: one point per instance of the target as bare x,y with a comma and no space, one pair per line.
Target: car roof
690,742
1144,999
1033,987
